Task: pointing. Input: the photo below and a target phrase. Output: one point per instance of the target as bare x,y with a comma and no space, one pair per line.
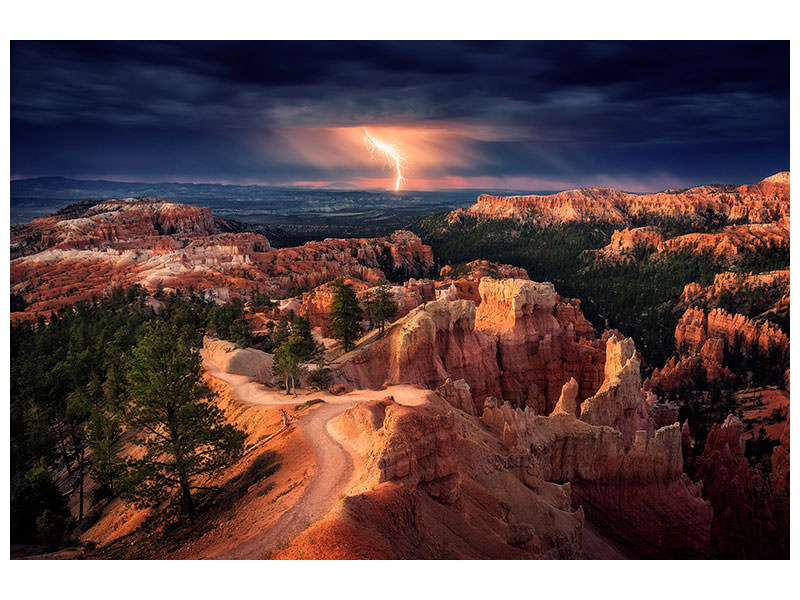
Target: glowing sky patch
390,153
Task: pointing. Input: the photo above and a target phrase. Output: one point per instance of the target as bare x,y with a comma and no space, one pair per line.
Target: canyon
491,418
168,246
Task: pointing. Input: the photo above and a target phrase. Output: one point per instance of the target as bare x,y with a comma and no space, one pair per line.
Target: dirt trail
334,464
333,471
246,390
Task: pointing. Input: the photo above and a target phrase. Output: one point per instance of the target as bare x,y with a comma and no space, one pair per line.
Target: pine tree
345,314
78,409
183,434
298,348
381,304
107,465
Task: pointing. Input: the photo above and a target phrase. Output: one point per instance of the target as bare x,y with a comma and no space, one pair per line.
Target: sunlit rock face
542,342
623,469
637,491
432,343
619,402
111,222
61,259
522,344
703,337
763,202
733,284
436,484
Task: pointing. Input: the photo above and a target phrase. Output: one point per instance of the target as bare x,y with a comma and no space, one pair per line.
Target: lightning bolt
390,153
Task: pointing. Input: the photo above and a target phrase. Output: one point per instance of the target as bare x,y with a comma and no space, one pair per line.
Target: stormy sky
641,116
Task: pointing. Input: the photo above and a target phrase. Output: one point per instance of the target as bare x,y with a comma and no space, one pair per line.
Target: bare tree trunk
62,446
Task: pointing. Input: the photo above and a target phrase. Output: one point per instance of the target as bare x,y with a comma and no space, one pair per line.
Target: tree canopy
183,434
346,314
381,305
299,347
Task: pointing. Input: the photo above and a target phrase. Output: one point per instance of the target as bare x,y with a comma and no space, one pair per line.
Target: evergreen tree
78,409
37,494
345,314
298,348
107,466
381,304
183,434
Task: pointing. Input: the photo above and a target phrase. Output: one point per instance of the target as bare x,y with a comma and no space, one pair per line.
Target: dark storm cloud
689,111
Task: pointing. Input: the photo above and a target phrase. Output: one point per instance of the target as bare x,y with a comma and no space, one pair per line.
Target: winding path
334,464
333,471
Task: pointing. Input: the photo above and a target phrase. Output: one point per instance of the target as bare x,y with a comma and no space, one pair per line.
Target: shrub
50,530
320,379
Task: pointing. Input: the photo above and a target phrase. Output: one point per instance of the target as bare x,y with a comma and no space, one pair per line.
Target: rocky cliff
638,493
705,341
750,516
106,223
434,342
696,327
730,242
512,346
763,202
745,289
620,402
157,243
537,353
436,484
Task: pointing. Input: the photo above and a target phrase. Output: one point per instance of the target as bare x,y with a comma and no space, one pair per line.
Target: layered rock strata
763,202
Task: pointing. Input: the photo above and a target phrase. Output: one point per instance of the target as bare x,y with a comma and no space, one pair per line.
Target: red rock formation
729,242
437,485
153,242
417,447
619,402
431,344
702,339
458,395
568,400
478,269
626,243
462,284
627,473
113,221
749,521
764,202
316,304
696,327
537,353
732,240
511,347
568,314
734,284
638,494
